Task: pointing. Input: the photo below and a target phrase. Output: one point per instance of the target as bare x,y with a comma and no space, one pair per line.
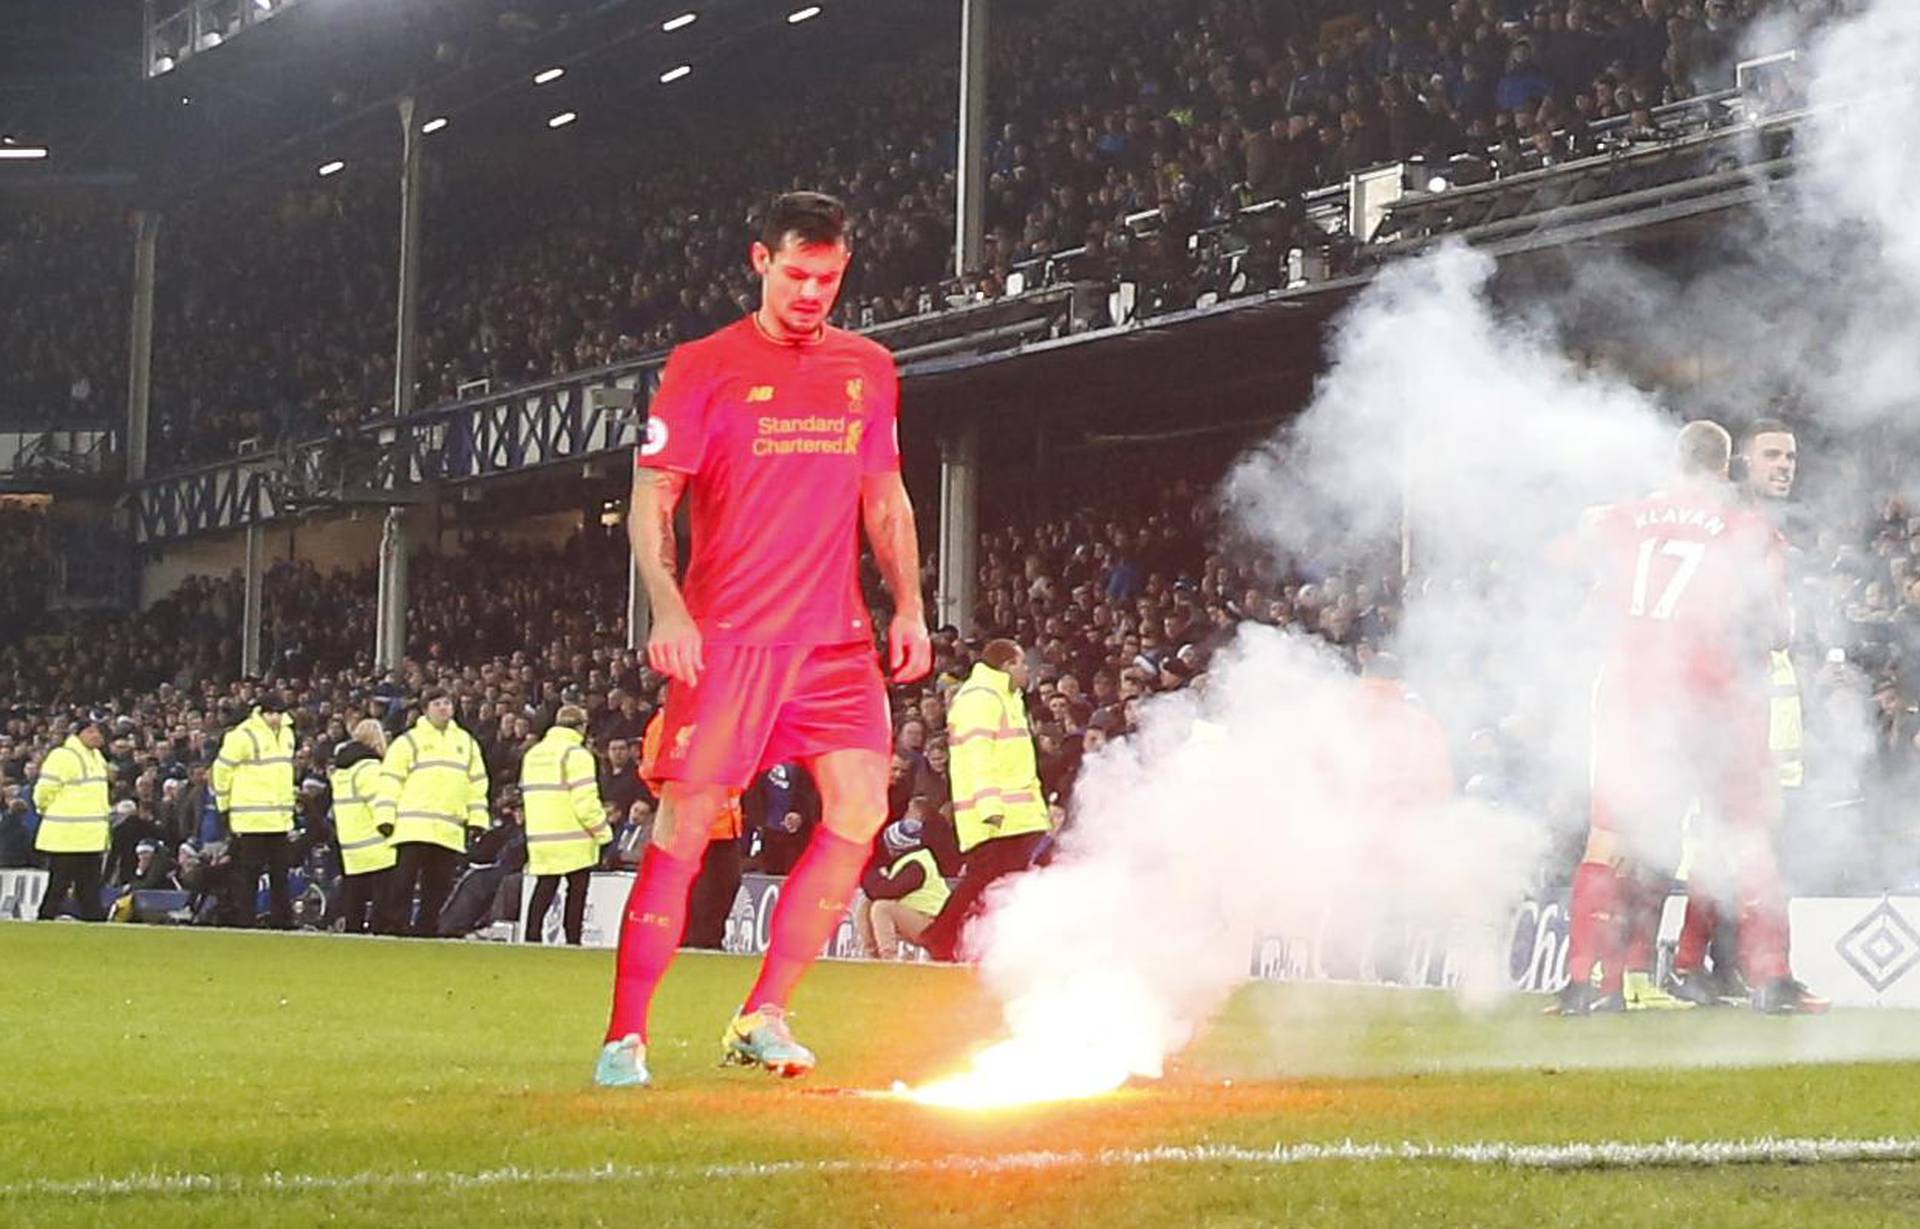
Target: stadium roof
323,74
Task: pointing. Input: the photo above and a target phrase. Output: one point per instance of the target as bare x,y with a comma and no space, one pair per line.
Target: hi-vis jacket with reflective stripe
71,796
253,776
364,849
433,786
996,784
566,824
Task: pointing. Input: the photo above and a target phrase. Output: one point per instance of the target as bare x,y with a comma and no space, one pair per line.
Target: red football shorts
1659,748
758,705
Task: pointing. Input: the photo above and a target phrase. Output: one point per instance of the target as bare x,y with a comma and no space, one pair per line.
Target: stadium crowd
274,307
1118,590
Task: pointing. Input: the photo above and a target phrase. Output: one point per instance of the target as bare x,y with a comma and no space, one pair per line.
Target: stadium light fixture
332,168
10,152
1438,184
435,124
563,119
679,23
549,74
799,15
674,74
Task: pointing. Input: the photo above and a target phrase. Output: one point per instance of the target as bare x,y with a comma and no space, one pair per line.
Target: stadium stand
1122,131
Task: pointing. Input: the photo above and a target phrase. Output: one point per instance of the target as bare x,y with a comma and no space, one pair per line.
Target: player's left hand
909,649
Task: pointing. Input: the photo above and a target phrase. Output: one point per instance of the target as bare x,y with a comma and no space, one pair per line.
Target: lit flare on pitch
1081,1039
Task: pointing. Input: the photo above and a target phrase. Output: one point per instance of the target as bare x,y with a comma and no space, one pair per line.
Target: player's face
1771,462
799,283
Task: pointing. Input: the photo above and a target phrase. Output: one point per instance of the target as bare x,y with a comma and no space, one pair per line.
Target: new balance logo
760,392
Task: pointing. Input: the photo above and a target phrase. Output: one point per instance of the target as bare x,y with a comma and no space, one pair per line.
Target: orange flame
1081,1039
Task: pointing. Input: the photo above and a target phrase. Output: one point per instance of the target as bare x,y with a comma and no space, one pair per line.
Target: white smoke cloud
1249,812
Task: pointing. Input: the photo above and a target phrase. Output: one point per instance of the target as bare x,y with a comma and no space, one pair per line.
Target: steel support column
969,248
146,242
390,614
959,526
252,603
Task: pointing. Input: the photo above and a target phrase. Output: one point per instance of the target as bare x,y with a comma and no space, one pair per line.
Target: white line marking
1672,1153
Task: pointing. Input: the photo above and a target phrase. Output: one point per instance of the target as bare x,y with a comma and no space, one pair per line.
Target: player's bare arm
887,515
673,646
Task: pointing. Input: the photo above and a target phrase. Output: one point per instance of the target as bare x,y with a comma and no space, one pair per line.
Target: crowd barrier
1861,951
21,892
747,924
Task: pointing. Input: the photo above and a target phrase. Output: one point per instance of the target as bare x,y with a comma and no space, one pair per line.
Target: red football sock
1763,922
650,933
810,907
1645,901
1593,927
1703,915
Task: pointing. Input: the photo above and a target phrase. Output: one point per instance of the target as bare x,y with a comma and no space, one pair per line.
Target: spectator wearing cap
433,788
367,857
566,823
71,796
152,869
902,891
133,826
999,813
253,779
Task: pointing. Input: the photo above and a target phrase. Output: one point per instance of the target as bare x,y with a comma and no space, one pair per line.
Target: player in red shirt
782,429
1692,589
1771,457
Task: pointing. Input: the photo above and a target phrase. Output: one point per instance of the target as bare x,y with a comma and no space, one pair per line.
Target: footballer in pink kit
781,431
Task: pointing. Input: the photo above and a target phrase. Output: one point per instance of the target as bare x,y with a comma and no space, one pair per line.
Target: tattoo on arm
656,493
669,547
896,547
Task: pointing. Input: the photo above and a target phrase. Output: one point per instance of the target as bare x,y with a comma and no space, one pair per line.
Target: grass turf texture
139,1051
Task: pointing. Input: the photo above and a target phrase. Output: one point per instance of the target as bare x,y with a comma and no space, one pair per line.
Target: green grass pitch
161,1078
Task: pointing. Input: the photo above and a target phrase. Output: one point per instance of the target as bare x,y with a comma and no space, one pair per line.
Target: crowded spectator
273,302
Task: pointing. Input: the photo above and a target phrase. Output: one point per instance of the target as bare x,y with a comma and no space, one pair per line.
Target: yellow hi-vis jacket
996,784
433,786
1785,734
566,825
253,776
71,796
364,848
931,896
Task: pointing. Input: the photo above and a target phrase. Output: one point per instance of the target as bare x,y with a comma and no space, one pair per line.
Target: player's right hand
673,647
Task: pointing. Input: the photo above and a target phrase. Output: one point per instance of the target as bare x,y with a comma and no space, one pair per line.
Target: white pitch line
1612,1154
